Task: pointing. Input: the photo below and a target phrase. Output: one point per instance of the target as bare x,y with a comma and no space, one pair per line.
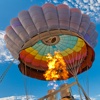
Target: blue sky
13,83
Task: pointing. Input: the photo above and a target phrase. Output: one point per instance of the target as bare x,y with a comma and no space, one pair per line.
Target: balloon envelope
46,29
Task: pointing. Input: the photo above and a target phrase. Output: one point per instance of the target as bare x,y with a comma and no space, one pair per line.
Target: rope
86,97
71,94
5,72
76,68
78,87
25,84
87,81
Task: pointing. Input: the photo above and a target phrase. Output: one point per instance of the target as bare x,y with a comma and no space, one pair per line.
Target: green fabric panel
42,51
70,46
47,50
66,45
55,49
39,48
51,50
39,43
59,48
66,41
74,38
72,42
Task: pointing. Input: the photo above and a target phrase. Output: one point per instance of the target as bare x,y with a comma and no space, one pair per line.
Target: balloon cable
78,87
5,72
86,97
87,81
25,84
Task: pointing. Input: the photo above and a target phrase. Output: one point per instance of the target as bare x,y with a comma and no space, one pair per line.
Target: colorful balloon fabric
72,48
42,30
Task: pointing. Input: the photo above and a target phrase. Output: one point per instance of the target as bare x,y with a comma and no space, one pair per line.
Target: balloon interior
36,36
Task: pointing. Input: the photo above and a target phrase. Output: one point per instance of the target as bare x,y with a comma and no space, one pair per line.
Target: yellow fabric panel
34,52
83,44
69,51
80,40
39,57
30,49
44,58
77,49
80,43
64,53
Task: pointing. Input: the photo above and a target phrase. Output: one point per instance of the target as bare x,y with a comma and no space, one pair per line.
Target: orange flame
56,67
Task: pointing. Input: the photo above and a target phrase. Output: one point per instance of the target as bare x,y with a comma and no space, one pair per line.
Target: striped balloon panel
72,48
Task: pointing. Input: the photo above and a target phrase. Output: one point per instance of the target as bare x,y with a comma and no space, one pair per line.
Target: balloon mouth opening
52,40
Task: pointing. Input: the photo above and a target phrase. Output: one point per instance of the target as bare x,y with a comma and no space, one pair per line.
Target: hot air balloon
42,30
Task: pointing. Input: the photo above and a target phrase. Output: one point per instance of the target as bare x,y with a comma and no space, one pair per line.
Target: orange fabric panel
23,54
36,63
29,58
44,65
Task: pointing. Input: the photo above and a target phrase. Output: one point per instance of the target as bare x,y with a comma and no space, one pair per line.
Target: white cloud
53,84
4,53
98,1
48,1
90,7
93,98
85,1
78,97
55,1
30,97
64,2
